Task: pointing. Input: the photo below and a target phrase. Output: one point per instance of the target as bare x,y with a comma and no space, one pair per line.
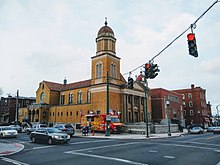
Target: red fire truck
97,122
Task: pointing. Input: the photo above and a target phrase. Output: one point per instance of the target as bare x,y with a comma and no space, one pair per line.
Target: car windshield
7,128
68,126
53,130
196,127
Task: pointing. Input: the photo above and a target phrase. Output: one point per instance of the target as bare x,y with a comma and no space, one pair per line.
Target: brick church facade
66,102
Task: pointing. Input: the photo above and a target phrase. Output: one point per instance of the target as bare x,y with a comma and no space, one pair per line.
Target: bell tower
105,59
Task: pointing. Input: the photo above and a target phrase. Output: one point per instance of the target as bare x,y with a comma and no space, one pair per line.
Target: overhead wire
193,25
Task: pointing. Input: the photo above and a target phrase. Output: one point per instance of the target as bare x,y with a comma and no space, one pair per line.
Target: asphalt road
201,149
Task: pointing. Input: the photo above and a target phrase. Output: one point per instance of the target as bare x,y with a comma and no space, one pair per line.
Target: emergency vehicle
97,122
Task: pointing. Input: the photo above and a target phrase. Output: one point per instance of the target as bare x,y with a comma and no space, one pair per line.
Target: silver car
6,131
196,130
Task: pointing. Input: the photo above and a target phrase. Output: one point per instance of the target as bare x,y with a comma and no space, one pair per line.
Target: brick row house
197,110
67,102
8,107
159,96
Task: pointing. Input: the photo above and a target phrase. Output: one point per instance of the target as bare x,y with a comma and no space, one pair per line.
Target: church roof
105,29
61,87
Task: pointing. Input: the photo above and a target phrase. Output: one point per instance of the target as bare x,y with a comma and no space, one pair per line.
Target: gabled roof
61,87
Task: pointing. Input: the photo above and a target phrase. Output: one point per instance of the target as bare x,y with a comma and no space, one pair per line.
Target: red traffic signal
191,37
192,44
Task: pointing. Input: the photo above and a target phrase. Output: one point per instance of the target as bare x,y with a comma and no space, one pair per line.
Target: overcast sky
53,39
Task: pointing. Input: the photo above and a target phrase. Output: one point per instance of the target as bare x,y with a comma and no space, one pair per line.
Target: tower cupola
105,40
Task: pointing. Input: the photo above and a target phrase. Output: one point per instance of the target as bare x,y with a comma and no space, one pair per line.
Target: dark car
67,128
49,135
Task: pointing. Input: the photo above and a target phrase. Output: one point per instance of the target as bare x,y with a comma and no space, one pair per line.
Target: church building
67,102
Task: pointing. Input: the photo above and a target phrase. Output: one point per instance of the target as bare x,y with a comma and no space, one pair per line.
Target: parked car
67,128
196,130
210,129
49,135
34,128
216,130
7,131
16,127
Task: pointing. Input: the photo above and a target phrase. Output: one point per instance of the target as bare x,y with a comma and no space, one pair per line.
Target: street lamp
217,112
199,116
168,116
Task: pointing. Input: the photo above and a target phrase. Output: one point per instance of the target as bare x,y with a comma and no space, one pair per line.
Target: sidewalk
129,136
12,148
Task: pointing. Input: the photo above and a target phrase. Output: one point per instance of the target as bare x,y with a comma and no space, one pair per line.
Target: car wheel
50,141
33,139
1,135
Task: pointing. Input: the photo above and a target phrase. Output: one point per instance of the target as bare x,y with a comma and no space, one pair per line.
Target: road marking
43,147
153,151
187,146
13,161
92,141
212,137
94,148
169,157
109,158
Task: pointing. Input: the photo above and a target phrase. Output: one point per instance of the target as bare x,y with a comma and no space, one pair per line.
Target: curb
17,148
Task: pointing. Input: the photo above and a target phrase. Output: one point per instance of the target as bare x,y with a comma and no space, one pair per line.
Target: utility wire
193,25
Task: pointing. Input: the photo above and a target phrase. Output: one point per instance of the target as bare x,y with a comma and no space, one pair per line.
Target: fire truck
97,122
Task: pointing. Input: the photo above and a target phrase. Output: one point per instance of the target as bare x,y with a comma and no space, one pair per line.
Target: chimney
65,81
192,86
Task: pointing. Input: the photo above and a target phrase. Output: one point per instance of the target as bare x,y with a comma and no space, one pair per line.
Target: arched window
79,97
62,99
113,70
70,98
99,70
88,96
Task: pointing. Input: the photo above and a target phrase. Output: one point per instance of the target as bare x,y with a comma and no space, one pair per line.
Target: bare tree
1,91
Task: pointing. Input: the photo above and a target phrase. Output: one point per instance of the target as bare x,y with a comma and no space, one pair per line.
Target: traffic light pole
107,132
145,105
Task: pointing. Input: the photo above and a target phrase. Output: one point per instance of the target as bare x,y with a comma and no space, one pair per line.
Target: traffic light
130,83
153,71
147,70
192,44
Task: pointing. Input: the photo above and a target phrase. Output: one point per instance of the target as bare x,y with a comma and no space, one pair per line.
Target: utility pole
145,105
108,117
17,106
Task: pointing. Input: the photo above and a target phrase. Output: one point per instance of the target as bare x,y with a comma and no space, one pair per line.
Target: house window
62,99
67,114
79,98
184,112
71,113
77,113
71,98
189,95
88,96
190,104
191,112
184,104
98,112
183,96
